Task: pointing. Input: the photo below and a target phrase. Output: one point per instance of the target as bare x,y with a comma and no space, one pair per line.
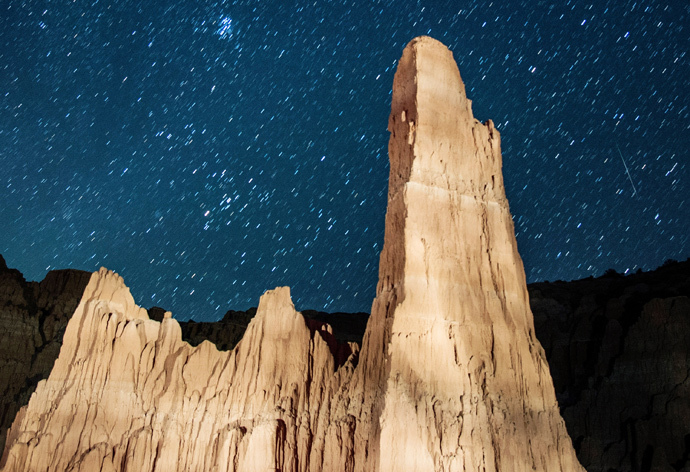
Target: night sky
209,151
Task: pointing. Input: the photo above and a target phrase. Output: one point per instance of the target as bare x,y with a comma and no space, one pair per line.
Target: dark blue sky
208,151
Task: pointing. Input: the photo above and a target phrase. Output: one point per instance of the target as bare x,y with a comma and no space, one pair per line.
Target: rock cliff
619,355
33,317
450,376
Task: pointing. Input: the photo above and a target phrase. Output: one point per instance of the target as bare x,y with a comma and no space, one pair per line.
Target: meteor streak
626,170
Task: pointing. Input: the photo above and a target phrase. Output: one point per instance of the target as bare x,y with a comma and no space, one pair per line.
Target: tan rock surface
128,394
450,378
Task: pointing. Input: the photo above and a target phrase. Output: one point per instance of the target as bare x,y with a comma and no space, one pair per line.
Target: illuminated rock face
127,394
450,377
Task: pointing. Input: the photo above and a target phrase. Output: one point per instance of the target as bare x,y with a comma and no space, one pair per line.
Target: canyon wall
619,355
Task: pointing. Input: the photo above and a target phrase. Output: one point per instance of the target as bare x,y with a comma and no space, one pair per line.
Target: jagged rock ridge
236,405
585,327
450,376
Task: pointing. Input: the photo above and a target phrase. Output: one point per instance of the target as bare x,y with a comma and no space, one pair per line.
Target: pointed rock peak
276,300
432,116
108,287
3,264
277,312
277,317
451,339
427,67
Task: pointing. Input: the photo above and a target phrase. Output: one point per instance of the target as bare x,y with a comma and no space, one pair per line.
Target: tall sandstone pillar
451,376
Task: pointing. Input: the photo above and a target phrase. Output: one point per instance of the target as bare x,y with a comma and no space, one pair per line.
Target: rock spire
451,374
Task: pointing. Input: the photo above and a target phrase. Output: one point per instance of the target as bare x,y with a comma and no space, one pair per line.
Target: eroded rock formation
129,394
450,378
615,411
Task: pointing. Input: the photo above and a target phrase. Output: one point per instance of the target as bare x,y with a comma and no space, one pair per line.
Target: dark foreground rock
619,352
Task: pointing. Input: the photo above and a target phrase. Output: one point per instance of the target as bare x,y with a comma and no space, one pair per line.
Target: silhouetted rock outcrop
225,334
618,351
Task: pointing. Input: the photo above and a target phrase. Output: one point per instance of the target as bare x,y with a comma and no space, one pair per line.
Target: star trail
209,151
